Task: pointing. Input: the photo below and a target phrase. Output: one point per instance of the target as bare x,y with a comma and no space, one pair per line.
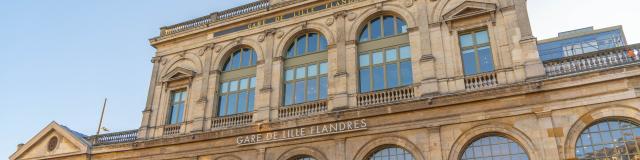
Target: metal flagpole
104,105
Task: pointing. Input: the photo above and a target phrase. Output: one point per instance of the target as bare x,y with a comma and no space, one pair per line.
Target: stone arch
188,61
228,157
291,34
303,151
366,15
619,112
386,141
225,51
495,128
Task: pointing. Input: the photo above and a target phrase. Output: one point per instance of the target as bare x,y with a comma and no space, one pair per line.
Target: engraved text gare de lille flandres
302,132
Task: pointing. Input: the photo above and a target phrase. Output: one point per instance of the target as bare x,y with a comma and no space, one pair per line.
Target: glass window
301,44
176,109
309,85
476,53
238,96
494,147
304,158
383,70
382,26
613,139
242,58
312,43
307,43
389,153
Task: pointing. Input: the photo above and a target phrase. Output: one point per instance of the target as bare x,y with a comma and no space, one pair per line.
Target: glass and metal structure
237,90
476,52
494,147
612,139
306,69
176,108
581,41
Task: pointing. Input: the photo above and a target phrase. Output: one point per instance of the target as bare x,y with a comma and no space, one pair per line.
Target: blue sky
61,58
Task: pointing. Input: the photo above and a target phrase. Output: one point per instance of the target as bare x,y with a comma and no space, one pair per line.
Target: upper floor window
306,69
613,139
242,58
391,153
476,52
238,83
382,26
494,147
385,68
176,108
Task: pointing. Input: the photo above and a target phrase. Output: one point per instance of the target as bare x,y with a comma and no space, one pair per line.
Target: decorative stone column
146,114
338,82
264,67
199,111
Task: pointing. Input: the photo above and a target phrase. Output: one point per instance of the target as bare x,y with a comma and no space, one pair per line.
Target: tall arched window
391,153
494,147
384,54
237,90
305,77
303,158
612,139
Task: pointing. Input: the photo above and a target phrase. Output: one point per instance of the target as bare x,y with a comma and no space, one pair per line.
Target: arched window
303,158
237,87
494,147
612,139
384,54
391,153
305,77
382,26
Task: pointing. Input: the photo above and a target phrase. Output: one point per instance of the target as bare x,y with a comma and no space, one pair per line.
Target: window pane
233,86
405,52
253,83
246,56
288,94
365,82
312,90
323,43
254,57
323,68
300,45
388,26
391,55
469,62
299,97
489,148
482,37
300,72
244,83
402,26
406,73
312,42
375,29
364,34
291,51
222,106
235,63
364,60
377,58
242,102
486,59
224,88
323,88
378,81
312,70
180,113
289,75
251,101
231,107
466,40
392,75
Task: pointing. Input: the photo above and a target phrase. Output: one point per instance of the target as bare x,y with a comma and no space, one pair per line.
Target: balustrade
112,138
481,81
171,129
238,120
300,110
385,96
593,60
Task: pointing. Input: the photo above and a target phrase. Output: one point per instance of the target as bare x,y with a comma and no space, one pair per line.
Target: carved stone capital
341,74
278,58
266,89
427,58
271,31
215,72
340,14
329,21
203,100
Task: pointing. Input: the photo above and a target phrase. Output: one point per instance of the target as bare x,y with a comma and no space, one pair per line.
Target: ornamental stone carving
408,3
329,21
351,16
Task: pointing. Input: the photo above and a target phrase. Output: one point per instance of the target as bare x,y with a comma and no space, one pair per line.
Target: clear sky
61,58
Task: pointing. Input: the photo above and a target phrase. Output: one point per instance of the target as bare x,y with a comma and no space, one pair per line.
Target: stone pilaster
338,83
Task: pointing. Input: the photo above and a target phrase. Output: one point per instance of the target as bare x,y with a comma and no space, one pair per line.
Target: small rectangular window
476,53
176,107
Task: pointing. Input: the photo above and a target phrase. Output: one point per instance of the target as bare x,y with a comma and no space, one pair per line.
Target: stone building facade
379,79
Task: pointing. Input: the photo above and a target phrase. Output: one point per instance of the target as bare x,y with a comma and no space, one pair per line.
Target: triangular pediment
52,142
178,74
469,9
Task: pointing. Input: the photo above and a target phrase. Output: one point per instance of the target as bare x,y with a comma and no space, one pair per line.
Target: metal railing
237,120
171,129
116,137
593,61
481,81
300,110
386,96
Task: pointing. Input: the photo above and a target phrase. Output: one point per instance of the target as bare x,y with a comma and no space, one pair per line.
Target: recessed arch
228,157
366,15
385,141
504,130
292,34
302,151
609,112
227,50
188,61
